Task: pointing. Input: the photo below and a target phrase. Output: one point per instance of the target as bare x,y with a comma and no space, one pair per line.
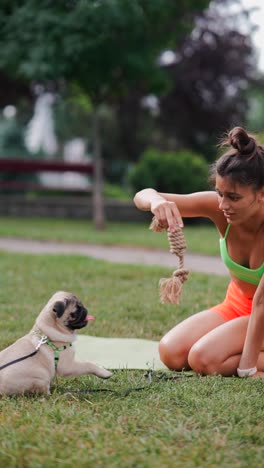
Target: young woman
227,339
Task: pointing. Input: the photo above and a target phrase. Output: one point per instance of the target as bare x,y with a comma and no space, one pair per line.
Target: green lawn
192,422
201,239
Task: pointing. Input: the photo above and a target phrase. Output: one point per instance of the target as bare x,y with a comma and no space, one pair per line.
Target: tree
255,115
210,74
14,90
106,46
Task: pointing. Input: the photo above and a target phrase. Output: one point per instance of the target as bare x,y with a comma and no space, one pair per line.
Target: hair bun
241,141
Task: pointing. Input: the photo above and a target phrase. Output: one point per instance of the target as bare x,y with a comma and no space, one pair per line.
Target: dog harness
248,275
43,340
57,349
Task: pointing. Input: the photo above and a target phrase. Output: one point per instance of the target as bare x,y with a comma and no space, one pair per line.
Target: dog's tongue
89,317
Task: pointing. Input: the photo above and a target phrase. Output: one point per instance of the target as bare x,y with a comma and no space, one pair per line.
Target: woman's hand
255,334
167,213
258,374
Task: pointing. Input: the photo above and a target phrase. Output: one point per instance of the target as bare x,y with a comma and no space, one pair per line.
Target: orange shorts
235,304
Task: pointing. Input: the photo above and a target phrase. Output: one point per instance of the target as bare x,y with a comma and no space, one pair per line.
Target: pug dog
49,345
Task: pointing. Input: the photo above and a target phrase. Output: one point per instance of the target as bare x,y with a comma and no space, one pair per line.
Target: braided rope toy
170,288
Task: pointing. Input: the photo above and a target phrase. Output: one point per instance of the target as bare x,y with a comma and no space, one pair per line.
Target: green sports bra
245,274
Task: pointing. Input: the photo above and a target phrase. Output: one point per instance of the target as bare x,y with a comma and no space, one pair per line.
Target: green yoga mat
118,353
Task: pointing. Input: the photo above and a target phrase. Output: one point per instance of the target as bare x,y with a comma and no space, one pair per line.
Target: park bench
29,166
30,198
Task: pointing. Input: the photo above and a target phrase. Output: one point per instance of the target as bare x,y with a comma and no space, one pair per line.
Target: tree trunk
98,201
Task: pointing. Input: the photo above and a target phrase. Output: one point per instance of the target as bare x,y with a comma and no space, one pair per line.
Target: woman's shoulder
209,200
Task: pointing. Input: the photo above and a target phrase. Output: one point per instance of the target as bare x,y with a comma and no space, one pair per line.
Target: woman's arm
255,334
170,208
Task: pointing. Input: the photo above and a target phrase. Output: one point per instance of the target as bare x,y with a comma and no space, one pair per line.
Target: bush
181,172
116,191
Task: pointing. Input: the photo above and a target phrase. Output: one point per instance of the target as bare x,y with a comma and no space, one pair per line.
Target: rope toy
170,288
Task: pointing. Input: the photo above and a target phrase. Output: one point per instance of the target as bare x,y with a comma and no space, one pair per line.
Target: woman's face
238,202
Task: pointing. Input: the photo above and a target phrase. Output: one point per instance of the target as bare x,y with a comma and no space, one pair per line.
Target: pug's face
70,312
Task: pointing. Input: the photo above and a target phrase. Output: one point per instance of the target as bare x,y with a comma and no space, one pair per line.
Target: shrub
181,172
116,191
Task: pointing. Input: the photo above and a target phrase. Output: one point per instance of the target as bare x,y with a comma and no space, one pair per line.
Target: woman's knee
201,360
173,353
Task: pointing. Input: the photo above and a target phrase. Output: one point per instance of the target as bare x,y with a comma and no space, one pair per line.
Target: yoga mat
118,353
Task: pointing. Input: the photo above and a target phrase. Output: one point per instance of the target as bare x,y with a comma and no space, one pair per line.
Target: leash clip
42,341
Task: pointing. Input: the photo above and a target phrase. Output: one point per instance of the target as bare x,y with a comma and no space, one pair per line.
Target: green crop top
245,274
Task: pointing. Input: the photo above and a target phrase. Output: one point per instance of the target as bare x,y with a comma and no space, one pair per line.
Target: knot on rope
181,274
170,288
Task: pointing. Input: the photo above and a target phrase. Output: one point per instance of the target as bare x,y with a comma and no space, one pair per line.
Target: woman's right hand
258,374
167,213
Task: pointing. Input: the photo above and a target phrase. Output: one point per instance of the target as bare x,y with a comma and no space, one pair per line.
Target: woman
227,339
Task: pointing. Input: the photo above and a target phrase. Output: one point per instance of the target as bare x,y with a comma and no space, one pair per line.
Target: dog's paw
105,374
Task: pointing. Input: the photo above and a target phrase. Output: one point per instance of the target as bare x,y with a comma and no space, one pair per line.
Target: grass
201,239
210,421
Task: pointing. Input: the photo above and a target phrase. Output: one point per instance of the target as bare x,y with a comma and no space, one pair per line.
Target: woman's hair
243,163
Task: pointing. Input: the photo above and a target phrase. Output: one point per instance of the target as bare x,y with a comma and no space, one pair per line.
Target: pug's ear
59,308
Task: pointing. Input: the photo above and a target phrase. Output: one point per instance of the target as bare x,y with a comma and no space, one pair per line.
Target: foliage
210,77
182,171
214,68
255,116
11,138
72,114
114,191
260,138
103,46
14,90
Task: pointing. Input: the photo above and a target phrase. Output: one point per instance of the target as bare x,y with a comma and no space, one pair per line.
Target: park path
116,254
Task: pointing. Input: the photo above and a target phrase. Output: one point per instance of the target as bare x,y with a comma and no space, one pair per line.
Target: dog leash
18,359
41,342
149,375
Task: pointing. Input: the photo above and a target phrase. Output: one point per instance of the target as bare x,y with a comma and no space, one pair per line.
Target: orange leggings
235,304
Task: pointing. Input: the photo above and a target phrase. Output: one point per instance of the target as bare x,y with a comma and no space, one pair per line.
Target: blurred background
101,98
